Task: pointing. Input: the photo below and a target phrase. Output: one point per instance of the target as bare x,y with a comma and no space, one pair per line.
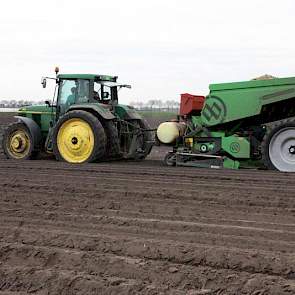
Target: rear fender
127,113
102,112
34,130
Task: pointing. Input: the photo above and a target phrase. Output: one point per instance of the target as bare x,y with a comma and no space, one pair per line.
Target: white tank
167,132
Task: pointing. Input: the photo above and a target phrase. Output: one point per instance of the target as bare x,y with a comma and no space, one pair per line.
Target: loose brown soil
142,228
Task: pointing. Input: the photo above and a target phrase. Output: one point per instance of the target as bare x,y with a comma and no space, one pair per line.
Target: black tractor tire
269,156
99,148
14,128
146,138
113,142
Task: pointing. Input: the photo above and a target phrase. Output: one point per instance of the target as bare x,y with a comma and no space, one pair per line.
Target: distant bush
18,103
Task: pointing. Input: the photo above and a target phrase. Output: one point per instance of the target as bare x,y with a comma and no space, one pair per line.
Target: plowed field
141,228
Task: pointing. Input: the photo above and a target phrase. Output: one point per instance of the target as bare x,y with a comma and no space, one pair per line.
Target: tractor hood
35,109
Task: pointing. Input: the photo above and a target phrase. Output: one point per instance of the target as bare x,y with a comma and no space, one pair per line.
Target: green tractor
84,123
241,124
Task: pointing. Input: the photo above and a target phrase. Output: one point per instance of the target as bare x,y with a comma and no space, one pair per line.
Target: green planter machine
241,124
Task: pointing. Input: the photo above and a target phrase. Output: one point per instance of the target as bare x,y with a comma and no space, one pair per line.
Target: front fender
34,130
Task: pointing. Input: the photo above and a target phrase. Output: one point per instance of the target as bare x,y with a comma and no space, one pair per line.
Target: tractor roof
95,77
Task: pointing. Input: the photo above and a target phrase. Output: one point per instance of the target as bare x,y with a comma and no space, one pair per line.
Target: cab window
73,92
82,91
67,93
102,93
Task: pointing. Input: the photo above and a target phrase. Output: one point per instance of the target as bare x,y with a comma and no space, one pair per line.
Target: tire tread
97,128
271,129
33,154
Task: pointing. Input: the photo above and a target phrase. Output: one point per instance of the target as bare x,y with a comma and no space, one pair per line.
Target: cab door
66,96
74,91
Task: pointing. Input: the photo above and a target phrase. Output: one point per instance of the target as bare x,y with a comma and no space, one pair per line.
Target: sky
162,48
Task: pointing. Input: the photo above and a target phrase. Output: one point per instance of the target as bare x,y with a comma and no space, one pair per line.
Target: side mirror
105,95
47,102
43,82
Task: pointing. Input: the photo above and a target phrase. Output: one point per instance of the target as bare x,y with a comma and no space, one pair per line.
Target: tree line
152,104
156,104
18,103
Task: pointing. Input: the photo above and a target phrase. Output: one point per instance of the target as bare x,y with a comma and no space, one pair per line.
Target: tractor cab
79,89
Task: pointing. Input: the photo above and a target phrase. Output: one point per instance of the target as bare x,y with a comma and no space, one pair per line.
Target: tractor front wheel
17,142
79,137
278,146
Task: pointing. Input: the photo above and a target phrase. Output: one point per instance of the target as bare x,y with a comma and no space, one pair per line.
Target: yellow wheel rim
19,144
75,140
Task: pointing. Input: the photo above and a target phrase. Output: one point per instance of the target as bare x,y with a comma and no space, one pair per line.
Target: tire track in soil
108,197
115,269
141,228
154,248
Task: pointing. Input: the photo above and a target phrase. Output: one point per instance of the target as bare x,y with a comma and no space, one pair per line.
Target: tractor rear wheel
79,137
17,142
113,142
145,140
278,146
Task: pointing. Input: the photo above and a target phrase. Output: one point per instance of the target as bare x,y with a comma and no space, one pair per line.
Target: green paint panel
252,84
228,102
41,114
237,147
